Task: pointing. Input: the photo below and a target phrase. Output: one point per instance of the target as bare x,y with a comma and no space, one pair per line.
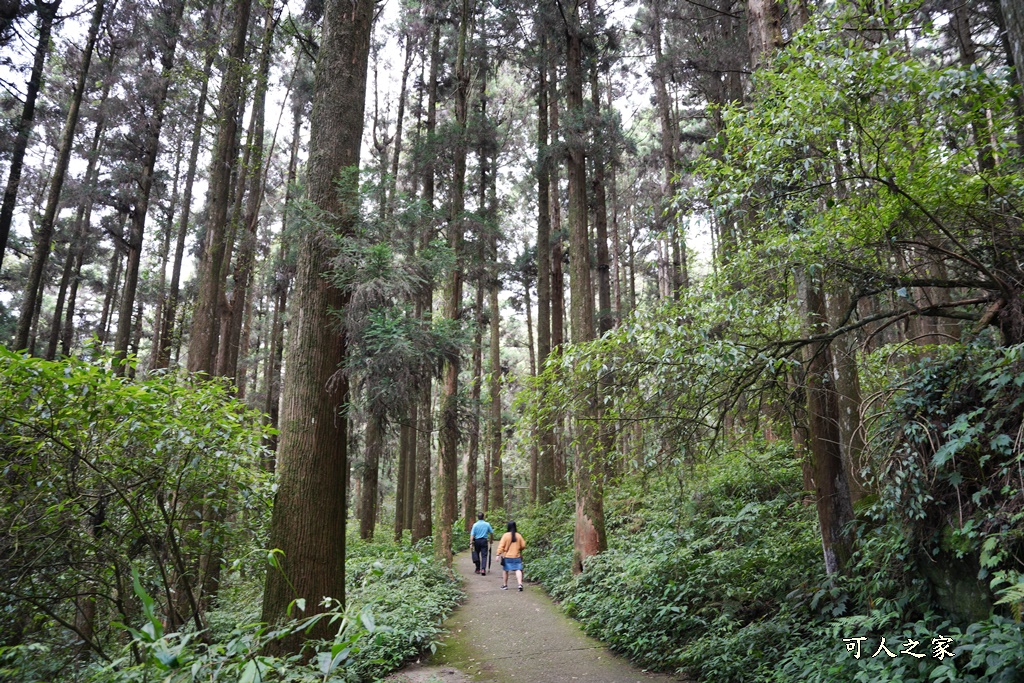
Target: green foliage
397,598
697,571
104,477
852,150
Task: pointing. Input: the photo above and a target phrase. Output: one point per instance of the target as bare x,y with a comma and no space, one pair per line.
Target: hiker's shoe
520,588
504,588
483,573
476,571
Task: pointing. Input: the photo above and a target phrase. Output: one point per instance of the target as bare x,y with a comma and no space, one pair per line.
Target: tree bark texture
308,522
589,536
832,489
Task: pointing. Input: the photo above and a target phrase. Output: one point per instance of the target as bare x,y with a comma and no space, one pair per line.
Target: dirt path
512,637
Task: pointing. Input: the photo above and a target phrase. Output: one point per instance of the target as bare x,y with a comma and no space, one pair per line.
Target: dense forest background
723,301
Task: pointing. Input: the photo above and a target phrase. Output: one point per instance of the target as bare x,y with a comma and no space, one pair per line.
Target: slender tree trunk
469,500
205,318
447,484
402,476
47,12
284,273
44,235
308,522
111,288
498,472
83,220
410,467
557,276
589,536
141,208
167,331
605,317
422,524
165,250
245,261
545,430
374,447
397,153
832,490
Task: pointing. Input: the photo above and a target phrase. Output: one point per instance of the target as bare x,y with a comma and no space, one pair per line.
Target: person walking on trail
479,534
510,552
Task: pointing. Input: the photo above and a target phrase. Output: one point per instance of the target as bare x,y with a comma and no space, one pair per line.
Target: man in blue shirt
478,536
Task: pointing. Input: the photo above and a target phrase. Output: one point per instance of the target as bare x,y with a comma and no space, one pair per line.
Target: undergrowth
717,571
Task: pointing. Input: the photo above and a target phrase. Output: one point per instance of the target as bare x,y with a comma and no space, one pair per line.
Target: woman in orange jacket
510,550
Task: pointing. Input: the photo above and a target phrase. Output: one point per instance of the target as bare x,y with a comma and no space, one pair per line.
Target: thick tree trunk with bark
308,522
589,537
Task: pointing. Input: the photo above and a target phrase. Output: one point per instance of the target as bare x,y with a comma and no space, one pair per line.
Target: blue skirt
511,564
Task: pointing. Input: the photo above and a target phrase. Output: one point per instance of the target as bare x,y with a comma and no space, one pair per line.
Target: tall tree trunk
447,483
410,467
605,315
244,263
469,508
422,524
83,219
589,537
167,331
497,471
400,119
141,208
205,318
545,430
165,252
308,522
832,490
1013,19
557,276
110,288
667,220
47,12
534,447
284,272
44,235
373,448
402,475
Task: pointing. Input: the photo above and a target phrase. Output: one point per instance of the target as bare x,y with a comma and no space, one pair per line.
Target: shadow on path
512,637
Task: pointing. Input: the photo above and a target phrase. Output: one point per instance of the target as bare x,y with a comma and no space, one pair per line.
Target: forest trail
512,637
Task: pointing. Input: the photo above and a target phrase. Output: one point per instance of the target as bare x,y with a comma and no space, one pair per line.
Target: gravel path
512,637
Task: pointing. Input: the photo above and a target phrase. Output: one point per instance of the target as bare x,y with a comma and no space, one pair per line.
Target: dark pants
480,553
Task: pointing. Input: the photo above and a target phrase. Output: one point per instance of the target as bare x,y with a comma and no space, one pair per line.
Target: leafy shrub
102,477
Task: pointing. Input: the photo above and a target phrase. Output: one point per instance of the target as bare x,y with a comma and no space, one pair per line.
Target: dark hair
479,515
512,530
